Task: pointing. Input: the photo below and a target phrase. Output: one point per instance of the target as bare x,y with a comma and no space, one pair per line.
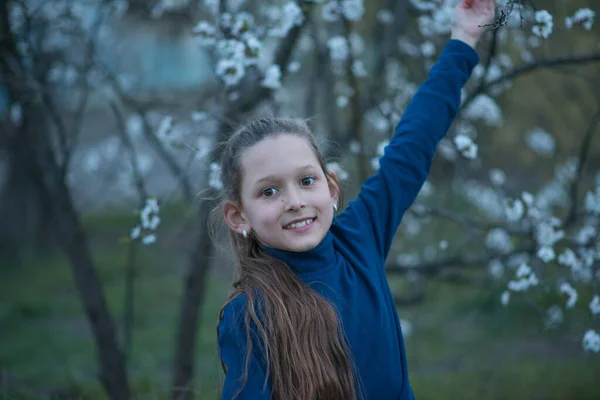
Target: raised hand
469,17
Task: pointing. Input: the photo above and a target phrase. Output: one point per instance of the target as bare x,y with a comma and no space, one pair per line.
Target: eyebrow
269,178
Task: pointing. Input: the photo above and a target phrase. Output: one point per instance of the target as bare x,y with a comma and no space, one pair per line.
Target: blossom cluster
238,41
145,231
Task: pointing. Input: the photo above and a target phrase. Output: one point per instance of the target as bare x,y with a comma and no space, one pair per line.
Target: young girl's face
287,201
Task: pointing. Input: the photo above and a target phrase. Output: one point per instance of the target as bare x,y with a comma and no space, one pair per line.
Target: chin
306,244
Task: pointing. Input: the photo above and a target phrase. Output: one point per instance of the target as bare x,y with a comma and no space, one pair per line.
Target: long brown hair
307,355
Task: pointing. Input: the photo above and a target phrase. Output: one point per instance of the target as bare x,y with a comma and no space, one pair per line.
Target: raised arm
406,162
232,349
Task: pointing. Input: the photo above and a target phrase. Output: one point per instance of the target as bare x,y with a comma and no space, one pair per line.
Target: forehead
277,155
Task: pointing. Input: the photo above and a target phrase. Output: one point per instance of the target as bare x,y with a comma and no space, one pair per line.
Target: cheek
267,214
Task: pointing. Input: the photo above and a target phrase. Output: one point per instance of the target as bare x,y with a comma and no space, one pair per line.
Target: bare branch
528,68
584,151
156,144
457,261
422,211
122,130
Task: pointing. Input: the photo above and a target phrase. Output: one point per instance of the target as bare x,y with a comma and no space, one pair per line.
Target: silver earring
245,234
334,207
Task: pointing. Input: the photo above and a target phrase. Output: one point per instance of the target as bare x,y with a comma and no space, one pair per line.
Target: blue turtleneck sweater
348,266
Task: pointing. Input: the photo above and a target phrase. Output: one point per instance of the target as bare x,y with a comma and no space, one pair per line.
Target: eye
268,192
308,181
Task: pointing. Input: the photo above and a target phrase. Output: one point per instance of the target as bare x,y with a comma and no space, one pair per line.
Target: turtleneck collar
317,260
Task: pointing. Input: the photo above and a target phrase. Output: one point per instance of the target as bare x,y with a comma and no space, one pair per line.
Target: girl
312,316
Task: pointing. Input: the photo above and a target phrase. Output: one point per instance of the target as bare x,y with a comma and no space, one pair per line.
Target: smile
300,225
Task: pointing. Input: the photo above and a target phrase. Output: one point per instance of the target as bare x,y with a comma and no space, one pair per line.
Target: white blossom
134,125
528,198
427,48
338,48
567,258
583,16
385,17
243,22
546,235
592,201
570,291
231,49
546,254
205,33
486,109
544,25
496,268
407,327
294,66
353,10
16,114
427,189
595,305
198,116
497,176
214,180
541,142
358,69
291,16
407,47
339,171
505,298
523,271
331,12
523,284
554,316
253,48
231,71
149,239
165,127
514,211
342,101
498,239
272,78
465,146
591,341
135,232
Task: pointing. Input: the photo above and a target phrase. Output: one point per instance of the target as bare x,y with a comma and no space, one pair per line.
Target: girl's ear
234,217
334,186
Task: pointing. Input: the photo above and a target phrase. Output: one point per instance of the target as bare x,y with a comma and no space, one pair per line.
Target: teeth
299,224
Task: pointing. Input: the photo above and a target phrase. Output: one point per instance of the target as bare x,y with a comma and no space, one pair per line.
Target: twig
584,151
457,261
528,68
133,161
421,211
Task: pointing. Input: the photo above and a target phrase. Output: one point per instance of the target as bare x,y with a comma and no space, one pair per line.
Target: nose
294,200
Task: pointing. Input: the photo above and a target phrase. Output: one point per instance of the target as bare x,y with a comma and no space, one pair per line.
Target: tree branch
584,151
528,68
457,261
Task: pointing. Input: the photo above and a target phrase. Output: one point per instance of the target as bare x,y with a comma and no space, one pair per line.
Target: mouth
300,225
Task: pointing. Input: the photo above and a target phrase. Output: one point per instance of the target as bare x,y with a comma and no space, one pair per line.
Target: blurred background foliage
461,341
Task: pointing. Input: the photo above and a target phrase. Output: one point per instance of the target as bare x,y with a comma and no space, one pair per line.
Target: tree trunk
193,297
40,160
22,213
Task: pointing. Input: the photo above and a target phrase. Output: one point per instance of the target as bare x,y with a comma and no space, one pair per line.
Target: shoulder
233,311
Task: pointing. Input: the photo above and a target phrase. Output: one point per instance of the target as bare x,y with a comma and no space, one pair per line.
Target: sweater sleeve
373,217
232,342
